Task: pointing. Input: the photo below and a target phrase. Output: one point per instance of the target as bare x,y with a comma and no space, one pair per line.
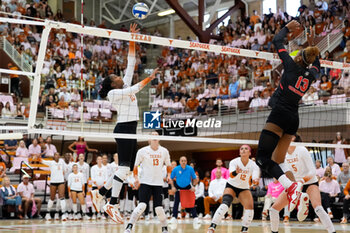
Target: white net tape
154,40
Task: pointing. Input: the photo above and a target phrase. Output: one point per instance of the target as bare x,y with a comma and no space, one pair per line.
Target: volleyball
140,10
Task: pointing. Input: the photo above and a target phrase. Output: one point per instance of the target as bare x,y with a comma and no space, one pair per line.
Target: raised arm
278,42
118,93
131,57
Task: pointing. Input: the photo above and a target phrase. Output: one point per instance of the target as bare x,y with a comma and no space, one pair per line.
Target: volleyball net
191,108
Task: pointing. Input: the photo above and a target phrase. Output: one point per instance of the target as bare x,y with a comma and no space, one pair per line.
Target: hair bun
311,53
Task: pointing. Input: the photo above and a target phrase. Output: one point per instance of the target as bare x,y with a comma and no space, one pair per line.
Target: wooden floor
183,226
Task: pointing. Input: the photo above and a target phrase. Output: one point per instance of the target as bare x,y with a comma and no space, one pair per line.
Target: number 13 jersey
241,180
151,162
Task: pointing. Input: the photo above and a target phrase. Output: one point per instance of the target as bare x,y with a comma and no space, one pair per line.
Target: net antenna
81,68
162,41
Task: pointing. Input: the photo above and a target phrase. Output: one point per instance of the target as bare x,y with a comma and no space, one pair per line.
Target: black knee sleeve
227,200
267,143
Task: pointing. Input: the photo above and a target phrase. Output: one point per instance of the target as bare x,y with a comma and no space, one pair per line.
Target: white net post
37,77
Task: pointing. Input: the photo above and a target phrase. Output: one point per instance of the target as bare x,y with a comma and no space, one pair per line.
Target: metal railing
331,40
294,44
21,61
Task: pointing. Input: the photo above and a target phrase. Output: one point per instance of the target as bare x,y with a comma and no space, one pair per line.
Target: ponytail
106,87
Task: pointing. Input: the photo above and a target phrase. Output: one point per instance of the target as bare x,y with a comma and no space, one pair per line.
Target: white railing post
328,41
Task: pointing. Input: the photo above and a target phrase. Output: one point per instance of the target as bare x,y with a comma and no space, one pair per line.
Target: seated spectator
22,150
209,110
206,181
234,88
256,101
268,91
325,86
344,81
199,192
10,197
167,103
2,169
7,112
62,104
346,203
334,167
10,146
319,170
310,96
215,192
35,149
209,92
329,189
18,113
50,149
75,96
202,107
177,106
50,102
344,176
223,91
26,192
192,103
274,189
225,173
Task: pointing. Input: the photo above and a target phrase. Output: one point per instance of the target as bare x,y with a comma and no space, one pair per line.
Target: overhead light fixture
166,12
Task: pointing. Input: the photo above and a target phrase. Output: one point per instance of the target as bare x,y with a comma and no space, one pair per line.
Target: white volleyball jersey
300,164
85,170
112,168
241,180
76,181
99,175
124,100
152,163
67,170
57,170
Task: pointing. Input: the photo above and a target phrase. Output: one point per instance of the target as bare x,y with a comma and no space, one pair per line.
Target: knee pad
121,173
227,200
267,144
142,206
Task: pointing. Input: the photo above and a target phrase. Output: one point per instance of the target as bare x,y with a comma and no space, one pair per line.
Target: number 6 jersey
151,162
241,180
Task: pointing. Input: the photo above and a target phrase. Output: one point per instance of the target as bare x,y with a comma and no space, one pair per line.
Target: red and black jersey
295,81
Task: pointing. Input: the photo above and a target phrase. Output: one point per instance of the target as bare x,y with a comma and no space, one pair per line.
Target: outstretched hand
153,75
133,28
293,25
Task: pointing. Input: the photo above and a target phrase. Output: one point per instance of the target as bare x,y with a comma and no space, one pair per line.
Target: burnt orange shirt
192,104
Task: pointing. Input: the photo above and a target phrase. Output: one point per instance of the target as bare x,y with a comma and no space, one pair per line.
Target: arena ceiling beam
203,35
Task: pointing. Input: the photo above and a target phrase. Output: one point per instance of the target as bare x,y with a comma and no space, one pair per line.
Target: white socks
274,219
285,181
267,203
161,215
286,211
83,208
325,219
49,205
166,204
63,205
248,216
75,208
137,212
219,214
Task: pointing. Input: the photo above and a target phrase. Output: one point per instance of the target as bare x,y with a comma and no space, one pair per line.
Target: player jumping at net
241,169
123,98
283,121
298,162
151,159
